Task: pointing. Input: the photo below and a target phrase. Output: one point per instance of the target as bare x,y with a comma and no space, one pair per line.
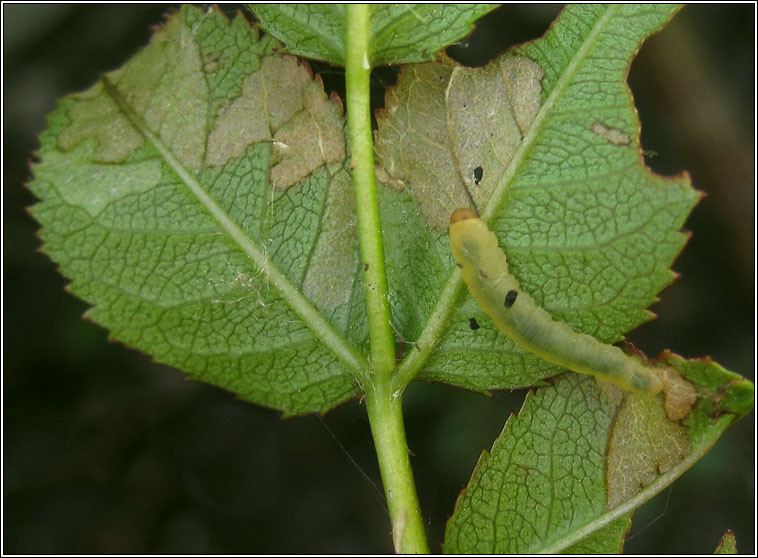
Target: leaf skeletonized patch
589,231
184,197
578,212
304,128
446,125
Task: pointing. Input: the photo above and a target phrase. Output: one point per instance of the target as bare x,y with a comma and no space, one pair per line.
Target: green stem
384,407
357,74
385,414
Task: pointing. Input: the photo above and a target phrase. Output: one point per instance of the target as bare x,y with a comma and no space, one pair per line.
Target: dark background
107,452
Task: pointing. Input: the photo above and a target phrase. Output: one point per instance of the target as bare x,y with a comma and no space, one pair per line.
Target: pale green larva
485,272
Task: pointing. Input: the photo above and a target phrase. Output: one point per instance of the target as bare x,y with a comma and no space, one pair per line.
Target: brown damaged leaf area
283,104
449,132
612,135
113,143
164,84
643,444
680,394
328,283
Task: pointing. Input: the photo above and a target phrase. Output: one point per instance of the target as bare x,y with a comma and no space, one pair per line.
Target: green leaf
194,197
400,33
729,392
199,199
727,544
545,140
568,471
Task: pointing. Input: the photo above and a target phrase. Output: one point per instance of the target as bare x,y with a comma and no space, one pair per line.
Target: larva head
462,214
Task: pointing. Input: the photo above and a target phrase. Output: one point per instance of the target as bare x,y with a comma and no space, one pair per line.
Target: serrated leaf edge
438,321
642,496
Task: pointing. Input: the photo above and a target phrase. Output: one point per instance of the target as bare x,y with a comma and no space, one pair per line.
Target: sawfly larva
485,272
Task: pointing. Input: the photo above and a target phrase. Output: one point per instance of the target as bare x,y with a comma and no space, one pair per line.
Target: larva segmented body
485,271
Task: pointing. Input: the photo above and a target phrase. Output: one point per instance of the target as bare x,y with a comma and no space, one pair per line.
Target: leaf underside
175,204
567,473
545,141
199,199
591,234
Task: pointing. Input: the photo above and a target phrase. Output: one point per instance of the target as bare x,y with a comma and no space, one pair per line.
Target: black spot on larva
473,324
459,265
482,274
365,267
510,298
478,173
